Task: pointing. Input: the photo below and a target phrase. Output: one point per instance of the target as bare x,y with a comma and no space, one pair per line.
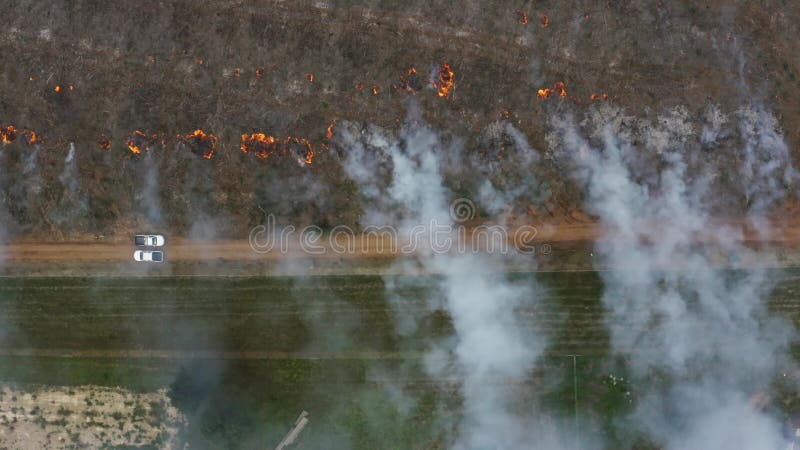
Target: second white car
148,256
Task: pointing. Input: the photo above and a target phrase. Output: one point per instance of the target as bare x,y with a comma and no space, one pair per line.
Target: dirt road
120,248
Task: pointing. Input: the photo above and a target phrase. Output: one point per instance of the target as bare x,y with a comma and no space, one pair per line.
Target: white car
148,240
148,256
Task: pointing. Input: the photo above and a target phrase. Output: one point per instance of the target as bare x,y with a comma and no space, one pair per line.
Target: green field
243,356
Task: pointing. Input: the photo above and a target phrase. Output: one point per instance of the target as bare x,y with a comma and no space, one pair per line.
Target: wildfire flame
329,134
545,21
264,146
237,72
544,93
310,77
8,134
409,82
376,90
30,137
259,72
136,142
303,144
559,87
57,89
446,82
598,97
259,144
522,16
104,142
201,144
359,86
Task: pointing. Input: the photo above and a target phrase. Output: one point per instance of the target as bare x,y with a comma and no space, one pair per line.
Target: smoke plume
699,340
491,348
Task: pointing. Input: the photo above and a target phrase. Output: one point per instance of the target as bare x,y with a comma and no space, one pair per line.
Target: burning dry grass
446,83
8,134
265,146
104,142
410,82
543,94
30,137
560,89
522,16
329,131
545,21
137,142
201,143
259,144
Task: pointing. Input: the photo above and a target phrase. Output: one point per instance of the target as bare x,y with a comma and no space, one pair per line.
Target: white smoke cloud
670,309
491,348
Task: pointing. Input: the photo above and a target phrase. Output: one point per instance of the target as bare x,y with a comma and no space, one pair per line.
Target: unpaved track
120,249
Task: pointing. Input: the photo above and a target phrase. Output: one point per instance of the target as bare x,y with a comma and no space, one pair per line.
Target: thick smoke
491,349
699,340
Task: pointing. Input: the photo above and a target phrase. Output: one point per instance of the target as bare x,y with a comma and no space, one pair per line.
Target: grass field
244,356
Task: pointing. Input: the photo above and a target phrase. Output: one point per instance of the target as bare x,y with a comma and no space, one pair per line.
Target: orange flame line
446,82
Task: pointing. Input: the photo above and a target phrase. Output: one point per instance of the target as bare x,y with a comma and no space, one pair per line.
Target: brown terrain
92,73
195,118
554,247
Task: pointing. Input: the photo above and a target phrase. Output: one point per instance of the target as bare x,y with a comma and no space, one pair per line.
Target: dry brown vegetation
242,67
